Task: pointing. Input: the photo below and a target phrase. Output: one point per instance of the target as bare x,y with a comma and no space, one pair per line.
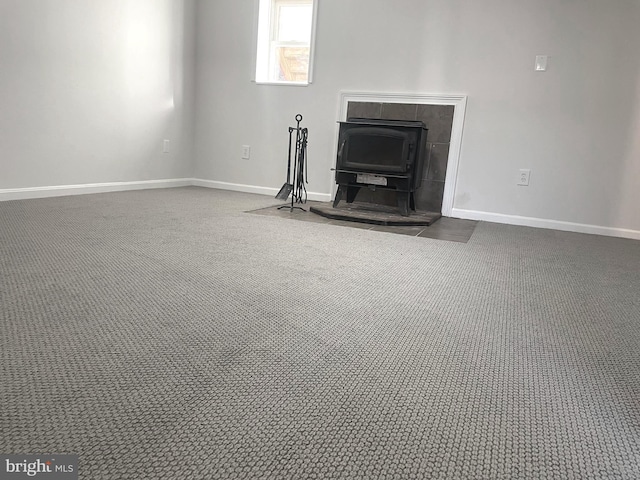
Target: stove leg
403,203
338,196
351,193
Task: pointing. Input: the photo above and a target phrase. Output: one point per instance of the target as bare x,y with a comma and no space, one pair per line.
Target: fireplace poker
300,190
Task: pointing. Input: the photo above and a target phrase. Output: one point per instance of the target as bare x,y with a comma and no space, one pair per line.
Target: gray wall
90,88
575,126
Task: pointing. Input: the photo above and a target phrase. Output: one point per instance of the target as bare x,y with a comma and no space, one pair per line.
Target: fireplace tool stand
297,189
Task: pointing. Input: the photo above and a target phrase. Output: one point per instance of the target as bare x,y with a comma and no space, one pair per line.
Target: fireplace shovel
284,192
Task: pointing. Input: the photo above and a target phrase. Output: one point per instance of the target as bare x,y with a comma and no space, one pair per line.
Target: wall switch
523,177
165,146
246,152
541,63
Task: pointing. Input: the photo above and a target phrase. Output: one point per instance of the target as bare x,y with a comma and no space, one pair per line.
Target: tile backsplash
439,120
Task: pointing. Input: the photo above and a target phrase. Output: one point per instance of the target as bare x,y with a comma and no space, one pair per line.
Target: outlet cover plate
523,177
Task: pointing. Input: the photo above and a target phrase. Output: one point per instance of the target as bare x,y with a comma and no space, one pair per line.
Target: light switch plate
541,63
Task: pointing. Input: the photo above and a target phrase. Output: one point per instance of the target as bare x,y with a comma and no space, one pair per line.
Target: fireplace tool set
297,189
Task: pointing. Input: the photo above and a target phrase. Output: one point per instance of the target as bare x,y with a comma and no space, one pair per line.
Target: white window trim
312,49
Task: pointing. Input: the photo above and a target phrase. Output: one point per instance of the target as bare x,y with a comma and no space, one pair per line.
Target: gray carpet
168,334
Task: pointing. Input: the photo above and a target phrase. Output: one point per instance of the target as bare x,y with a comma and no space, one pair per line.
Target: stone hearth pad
374,214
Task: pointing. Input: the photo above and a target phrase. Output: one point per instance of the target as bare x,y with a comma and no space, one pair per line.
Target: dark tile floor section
446,228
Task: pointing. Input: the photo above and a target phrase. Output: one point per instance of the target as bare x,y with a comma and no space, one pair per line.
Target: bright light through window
285,39
294,23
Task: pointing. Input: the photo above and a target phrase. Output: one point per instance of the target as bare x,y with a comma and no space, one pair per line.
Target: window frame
262,56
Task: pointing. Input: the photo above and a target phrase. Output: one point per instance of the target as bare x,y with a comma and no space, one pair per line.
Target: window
285,41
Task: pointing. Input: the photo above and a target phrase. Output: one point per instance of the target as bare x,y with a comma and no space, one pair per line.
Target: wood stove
386,154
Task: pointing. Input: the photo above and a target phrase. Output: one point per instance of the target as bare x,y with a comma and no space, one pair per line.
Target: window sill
290,84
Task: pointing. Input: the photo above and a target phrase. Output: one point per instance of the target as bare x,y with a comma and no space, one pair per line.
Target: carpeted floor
168,334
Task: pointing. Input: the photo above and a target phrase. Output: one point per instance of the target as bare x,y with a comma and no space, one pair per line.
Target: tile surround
438,156
364,110
399,111
430,194
439,121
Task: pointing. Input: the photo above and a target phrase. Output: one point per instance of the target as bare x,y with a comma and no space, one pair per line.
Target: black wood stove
386,154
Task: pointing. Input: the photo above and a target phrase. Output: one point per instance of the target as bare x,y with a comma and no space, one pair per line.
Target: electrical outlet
165,146
523,177
246,152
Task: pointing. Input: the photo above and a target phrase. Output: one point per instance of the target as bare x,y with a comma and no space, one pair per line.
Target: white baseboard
237,187
544,223
64,190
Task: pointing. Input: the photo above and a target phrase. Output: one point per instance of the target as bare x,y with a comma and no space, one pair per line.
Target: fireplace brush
297,189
